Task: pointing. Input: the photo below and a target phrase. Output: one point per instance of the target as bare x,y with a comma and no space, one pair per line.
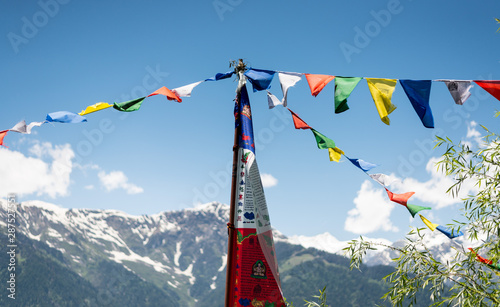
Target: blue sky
167,156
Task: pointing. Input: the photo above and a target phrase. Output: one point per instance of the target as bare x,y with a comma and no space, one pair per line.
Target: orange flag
318,82
298,122
492,87
2,135
167,93
400,198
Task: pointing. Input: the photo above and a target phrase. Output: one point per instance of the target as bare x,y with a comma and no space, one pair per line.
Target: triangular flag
363,165
221,76
298,122
129,106
343,89
431,226
459,89
414,209
185,91
165,92
400,198
260,78
318,82
20,127
382,179
419,91
335,154
491,86
2,136
33,124
323,141
65,117
481,259
381,90
287,80
449,232
95,107
272,100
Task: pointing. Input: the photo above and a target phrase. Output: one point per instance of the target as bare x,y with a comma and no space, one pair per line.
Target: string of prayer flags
419,91
361,164
21,127
335,154
401,199
343,89
318,82
459,89
95,107
490,263
287,80
129,106
298,122
322,141
165,92
65,117
260,78
414,209
491,86
221,76
381,91
272,100
185,91
2,136
382,179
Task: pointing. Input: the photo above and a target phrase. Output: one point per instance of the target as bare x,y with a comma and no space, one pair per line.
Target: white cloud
268,180
89,187
117,180
48,172
372,211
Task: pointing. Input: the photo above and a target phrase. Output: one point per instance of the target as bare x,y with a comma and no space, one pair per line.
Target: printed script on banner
256,278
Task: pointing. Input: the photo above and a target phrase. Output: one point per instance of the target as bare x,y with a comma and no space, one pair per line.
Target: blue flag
419,91
220,76
65,117
260,78
450,234
363,165
243,119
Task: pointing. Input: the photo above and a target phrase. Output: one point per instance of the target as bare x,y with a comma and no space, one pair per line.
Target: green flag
414,209
323,141
129,106
343,88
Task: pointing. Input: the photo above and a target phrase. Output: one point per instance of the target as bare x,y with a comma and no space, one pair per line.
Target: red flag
2,135
298,122
481,259
491,86
167,93
318,82
400,198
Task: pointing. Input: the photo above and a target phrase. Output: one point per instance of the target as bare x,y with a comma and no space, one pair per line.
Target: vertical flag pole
230,226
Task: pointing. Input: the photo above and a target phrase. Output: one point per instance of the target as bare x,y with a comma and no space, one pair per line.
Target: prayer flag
323,141
335,154
490,263
419,91
95,107
272,100
65,117
459,89
287,80
165,92
491,86
260,78
449,232
399,198
254,264
185,91
431,226
221,76
318,82
363,165
129,106
343,89
414,209
298,122
21,127
381,90
382,179
2,136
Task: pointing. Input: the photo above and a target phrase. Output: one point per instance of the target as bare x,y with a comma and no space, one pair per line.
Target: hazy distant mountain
80,257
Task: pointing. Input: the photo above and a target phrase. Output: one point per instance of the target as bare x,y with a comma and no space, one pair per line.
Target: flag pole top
239,66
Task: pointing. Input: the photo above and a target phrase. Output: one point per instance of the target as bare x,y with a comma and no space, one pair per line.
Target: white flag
287,80
272,100
459,89
21,127
185,91
383,179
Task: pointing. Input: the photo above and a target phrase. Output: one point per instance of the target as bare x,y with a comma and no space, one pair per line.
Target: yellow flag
95,107
335,154
431,226
381,90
